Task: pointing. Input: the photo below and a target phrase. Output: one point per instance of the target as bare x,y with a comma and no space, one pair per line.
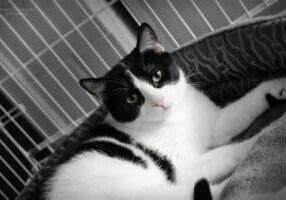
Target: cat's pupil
132,98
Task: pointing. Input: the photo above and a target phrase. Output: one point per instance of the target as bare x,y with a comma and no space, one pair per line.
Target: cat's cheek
145,111
170,94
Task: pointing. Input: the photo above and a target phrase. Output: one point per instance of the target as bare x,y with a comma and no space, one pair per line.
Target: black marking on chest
161,161
112,150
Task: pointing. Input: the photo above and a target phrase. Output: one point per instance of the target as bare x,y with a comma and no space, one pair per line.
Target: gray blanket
262,175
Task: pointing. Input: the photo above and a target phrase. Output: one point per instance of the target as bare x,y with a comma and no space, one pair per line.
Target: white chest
177,138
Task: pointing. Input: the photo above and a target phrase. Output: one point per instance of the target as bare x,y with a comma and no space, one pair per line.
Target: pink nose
159,103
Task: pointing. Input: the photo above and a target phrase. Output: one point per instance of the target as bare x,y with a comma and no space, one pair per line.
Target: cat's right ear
94,86
147,39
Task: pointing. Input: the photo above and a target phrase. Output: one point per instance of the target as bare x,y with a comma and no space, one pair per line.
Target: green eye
157,77
132,99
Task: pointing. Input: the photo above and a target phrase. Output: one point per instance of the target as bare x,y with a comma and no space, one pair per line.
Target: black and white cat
163,134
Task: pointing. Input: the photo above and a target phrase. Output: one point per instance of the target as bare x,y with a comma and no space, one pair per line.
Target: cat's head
143,85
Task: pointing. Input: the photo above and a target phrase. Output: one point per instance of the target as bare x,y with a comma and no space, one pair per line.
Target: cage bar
40,61
16,159
62,38
98,28
83,37
203,16
28,116
223,11
182,19
24,89
55,54
20,128
12,171
161,23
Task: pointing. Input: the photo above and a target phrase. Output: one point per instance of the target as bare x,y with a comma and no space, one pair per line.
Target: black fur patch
112,150
118,87
202,190
272,101
105,130
161,161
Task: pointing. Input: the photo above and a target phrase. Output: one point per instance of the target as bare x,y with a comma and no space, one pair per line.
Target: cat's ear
94,86
147,39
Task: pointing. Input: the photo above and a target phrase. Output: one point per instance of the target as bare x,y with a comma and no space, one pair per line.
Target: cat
161,134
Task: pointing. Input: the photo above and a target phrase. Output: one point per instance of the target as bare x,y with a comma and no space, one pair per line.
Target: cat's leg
218,164
237,116
216,189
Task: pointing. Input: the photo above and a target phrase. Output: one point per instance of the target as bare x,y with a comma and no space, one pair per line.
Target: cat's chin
162,109
161,113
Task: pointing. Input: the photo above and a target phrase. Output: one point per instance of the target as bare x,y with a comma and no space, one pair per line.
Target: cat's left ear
147,39
94,86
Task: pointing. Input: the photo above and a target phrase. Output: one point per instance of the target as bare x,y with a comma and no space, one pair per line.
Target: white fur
185,130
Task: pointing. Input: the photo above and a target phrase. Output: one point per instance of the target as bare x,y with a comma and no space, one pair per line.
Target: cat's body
165,138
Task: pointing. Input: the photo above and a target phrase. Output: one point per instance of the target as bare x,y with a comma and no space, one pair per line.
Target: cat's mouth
162,108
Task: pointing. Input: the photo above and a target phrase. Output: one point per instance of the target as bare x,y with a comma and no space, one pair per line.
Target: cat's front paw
275,88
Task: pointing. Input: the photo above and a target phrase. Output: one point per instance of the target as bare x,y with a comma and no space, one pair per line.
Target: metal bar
98,28
50,47
16,159
130,39
28,116
257,9
62,38
9,111
125,34
3,195
24,89
181,19
269,2
245,8
21,129
9,120
40,61
79,121
130,12
56,135
12,171
282,12
8,182
82,35
162,24
20,148
201,13
223,11
53,52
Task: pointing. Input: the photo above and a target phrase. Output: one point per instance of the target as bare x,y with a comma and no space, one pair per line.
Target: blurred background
46,46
